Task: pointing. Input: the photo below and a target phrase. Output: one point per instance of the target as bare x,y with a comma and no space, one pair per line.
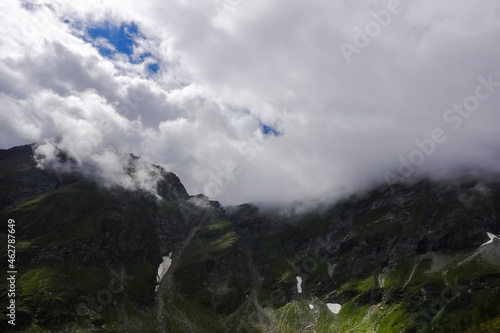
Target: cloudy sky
254,100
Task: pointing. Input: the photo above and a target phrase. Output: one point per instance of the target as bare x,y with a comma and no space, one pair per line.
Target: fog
254,101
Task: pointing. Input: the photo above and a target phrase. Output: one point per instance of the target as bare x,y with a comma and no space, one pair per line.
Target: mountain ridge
408,258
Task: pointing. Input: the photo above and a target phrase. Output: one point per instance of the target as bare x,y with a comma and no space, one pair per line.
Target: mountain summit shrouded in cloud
258,100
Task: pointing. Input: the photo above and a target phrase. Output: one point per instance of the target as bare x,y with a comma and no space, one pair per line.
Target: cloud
256,100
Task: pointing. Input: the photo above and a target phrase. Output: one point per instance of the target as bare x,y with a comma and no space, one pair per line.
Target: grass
188,315
213,246
218,225
71,239
16,163
65,257
360,285
270,254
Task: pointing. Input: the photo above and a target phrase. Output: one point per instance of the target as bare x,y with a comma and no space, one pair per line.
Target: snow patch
492,237
334,307
311,306
299,284
489,251
163,268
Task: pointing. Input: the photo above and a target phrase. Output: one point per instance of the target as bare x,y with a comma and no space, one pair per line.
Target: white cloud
226,69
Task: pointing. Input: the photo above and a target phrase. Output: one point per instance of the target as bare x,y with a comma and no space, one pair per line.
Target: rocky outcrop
410,258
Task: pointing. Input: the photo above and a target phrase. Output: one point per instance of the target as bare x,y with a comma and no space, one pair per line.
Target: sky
253,100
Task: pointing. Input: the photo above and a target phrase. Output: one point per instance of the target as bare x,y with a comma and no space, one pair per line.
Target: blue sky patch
111,39
120,38
142,57
269,130
153,68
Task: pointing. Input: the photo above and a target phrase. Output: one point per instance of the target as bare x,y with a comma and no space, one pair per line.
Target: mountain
423,257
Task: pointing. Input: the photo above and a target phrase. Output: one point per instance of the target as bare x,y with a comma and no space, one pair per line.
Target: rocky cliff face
404,259
87,254
416,258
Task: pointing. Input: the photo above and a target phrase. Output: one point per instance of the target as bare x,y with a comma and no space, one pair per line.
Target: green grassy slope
406,259
86,255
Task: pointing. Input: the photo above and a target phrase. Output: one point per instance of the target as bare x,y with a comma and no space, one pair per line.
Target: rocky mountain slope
414,258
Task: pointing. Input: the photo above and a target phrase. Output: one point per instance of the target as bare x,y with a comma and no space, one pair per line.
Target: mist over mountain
255,100
250,166
95,256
